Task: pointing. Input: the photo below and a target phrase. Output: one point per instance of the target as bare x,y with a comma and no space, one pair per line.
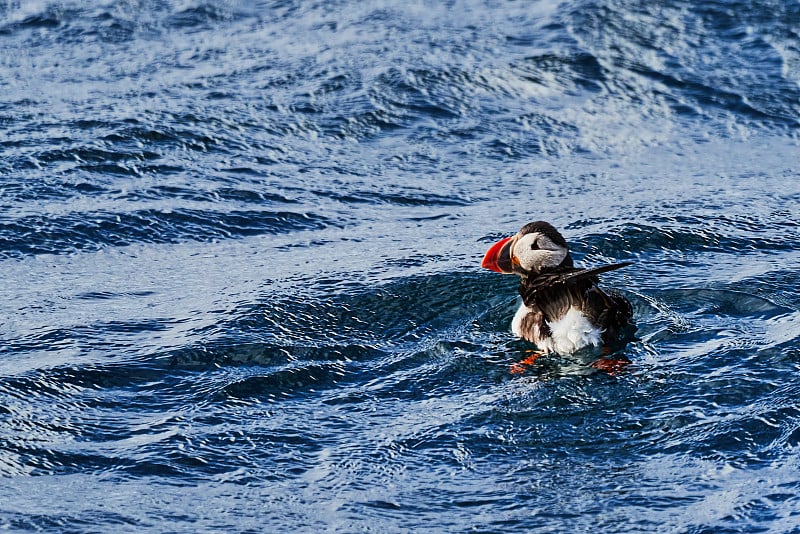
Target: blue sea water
240,284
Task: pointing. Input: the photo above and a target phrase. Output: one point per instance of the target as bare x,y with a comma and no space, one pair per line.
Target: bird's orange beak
498,258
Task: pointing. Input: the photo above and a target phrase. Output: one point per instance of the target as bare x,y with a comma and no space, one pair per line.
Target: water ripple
57,235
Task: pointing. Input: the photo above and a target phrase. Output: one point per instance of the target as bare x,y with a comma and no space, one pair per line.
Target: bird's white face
534,252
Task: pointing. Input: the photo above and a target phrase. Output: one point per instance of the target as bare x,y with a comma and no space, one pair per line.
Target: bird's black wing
574,274
570,276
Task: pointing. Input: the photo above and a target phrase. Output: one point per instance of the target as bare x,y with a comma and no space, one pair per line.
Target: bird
563,308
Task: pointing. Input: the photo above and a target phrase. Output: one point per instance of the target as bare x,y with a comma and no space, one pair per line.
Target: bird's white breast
571,333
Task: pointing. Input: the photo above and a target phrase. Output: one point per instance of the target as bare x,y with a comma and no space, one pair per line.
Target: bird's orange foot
612,366
519,367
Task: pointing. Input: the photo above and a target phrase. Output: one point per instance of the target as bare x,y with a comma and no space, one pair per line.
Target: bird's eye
535,245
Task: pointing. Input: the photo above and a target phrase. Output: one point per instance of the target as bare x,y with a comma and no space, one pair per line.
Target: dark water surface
239,265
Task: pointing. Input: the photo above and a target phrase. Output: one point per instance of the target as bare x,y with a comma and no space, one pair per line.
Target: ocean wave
240,250
32,235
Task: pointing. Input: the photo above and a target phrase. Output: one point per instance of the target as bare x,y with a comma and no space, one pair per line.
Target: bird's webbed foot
519,367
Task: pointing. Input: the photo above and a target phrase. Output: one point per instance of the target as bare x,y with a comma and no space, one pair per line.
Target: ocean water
240,284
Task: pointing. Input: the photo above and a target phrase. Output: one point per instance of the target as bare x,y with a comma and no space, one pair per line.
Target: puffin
563,308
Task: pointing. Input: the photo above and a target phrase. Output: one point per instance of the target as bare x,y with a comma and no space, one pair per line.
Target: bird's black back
551,294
